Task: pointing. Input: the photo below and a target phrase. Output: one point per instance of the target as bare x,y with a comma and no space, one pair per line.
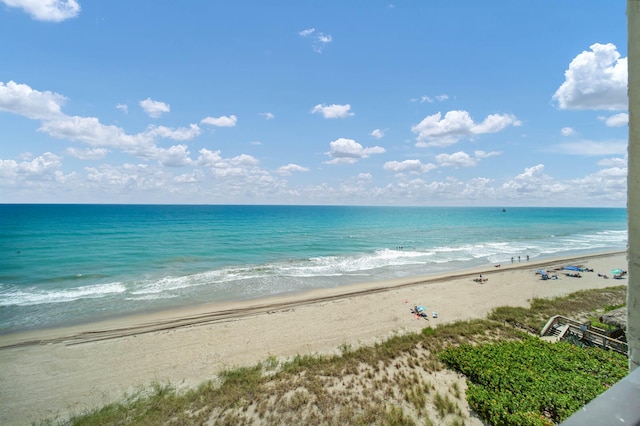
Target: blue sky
496,103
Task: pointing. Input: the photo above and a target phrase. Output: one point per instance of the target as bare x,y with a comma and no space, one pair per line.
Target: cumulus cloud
46,106
290,168
616,120
175,156
348,151
408,166
154,108
179,134
435,130
613,162
377,133
595,80
567,131
606,184
213,159
42,168
534,180
87,154
457,159
267,115
223,121
332,111
23,100
319,40
462,159
90,131
47,10
123,107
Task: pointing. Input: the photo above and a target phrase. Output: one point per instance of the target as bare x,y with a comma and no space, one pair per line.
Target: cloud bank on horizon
293,105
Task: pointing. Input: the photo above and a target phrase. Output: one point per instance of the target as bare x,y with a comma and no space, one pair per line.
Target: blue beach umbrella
572,268
617,271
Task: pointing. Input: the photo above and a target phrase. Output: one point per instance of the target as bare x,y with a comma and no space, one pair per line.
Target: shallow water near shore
69,264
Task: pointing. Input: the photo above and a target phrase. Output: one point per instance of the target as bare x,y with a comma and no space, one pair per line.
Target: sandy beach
68,370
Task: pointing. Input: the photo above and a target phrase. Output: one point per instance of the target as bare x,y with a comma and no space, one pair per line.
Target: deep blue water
63,264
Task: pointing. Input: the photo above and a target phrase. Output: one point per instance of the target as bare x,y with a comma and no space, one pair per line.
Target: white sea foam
34,296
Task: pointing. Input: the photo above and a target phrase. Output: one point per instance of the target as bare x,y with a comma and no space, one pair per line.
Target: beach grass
398,381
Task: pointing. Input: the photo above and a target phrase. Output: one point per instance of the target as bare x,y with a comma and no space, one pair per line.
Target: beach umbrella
572,268
541,272
617,271
421,308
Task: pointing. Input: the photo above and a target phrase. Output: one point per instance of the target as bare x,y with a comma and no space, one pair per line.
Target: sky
403,103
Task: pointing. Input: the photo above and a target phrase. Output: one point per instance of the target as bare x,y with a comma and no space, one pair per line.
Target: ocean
71,264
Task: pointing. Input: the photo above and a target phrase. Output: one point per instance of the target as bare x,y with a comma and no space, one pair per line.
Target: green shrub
533,381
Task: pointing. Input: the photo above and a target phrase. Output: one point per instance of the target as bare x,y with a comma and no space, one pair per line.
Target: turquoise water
65,264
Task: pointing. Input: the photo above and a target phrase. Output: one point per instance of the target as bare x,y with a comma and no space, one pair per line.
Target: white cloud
377,133
434,130
595,80
123,107
87,154
179,134
462,159
290,168
22,99
129,176
613,162
609,185
42,168
348,151
482,154
46,107
616,120
224,167
267,115
457,159
534,181
154,108
175,156
320,40
223,121
307,32
332,111
408,166
424,98
592,148
567,131
47,10
88,130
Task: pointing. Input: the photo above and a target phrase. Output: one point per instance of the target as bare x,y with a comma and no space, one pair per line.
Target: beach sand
69,370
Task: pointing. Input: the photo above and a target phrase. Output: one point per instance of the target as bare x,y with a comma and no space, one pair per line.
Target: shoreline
67,370
207,312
